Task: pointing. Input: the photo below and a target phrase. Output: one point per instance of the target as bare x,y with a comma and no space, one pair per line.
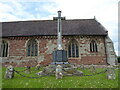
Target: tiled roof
49,27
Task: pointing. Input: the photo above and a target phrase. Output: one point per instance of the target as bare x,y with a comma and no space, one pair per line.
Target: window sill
93,52
31,56
75,58
3,57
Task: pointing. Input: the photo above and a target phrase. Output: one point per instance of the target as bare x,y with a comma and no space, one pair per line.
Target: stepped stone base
67,69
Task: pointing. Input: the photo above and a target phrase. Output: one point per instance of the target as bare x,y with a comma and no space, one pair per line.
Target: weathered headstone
59,73
110,74
74,66
41,73
37,66
9,74
82,67
92,68
27,69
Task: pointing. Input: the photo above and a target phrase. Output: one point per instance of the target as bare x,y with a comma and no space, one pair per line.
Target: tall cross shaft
59,31
59,55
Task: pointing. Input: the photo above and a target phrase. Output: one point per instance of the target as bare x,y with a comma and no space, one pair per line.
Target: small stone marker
82,67
27,69
92,69
74,67
37,67
9,74
110,74
40,73
59,73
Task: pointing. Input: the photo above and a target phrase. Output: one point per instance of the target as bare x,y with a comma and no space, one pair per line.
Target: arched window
3,49
73,50
93,46
32,48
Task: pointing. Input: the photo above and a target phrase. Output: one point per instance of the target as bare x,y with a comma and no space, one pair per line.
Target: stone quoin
27,43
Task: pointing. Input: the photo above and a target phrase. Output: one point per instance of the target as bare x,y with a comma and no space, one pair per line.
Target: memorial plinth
60,57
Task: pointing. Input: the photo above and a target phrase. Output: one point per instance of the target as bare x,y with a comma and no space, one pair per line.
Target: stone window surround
35,46
76,49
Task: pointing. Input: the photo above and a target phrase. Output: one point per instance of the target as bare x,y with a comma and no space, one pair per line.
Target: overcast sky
105,11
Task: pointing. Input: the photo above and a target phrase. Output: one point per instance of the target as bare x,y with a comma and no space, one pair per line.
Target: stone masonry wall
87,57
47,44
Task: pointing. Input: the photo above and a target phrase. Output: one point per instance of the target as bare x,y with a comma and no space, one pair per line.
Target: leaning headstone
74,66
78,73
82,67
27,69
40,73
92,68
110,74
37,66
59,73
9,73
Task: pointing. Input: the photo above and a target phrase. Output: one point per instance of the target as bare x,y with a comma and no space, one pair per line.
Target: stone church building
30,42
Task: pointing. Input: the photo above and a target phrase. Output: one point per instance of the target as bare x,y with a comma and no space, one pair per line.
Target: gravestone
9,73
37,66
82,67
110,74
92,68
27,69
59,72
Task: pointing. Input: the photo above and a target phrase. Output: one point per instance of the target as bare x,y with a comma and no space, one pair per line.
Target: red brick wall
17,48
46,45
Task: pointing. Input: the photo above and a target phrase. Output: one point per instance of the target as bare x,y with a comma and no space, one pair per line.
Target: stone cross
59,31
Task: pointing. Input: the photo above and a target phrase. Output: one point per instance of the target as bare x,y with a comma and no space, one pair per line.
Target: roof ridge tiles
45,20
38,27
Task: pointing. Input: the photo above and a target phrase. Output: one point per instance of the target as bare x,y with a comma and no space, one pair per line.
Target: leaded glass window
93,46
73,50
32,48
3,49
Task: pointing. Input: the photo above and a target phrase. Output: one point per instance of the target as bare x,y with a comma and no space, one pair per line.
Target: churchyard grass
96,81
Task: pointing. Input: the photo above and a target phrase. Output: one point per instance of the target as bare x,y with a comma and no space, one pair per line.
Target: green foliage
0,76
97,81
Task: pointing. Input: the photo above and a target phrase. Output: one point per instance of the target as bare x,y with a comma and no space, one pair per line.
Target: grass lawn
96,81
